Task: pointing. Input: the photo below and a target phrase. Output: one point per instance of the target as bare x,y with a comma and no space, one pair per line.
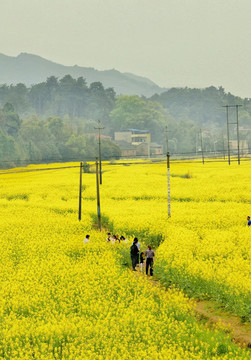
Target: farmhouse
140,140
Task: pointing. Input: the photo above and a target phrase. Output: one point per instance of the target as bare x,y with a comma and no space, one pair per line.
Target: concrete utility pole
98,197
99,128
168,185
80,192
201,144
223,145
168,176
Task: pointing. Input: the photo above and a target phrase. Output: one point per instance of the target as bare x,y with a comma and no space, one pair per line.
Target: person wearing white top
109,237
86,240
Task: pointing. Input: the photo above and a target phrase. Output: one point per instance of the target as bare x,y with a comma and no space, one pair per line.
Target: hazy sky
194,43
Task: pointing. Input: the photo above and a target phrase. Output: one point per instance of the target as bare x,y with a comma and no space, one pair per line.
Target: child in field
141,260
87,239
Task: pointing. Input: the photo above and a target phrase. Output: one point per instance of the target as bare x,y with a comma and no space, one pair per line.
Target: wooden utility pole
98,196
168,175
80,192
228,145
237,128
201,144
223,145
168,185
99,128
238,137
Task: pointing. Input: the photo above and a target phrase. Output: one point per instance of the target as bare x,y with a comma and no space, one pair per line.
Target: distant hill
32,69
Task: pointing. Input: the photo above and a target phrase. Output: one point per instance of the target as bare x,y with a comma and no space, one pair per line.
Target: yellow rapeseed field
62,299
206,242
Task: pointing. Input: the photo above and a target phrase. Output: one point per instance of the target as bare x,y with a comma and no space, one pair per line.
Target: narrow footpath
207,311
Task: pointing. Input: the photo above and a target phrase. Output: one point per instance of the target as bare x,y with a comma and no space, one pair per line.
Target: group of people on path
139,258
116,239
113,239
136,257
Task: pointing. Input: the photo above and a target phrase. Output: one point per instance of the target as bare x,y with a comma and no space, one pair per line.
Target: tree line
55,120
51,140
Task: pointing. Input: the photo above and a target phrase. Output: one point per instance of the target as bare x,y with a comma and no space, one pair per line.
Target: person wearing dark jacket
134,254
149,260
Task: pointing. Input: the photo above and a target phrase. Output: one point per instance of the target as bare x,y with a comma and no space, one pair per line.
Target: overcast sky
193,43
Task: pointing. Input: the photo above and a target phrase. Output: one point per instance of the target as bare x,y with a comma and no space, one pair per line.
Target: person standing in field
141,260
86,240
134,254
249,221
149,260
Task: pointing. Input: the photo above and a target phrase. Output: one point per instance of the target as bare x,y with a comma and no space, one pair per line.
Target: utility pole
167,131
80,192
168,185
98,197
166,140
99,128
223,145
238,137
196,145
168,176
30,150
237,128
228,146
201,144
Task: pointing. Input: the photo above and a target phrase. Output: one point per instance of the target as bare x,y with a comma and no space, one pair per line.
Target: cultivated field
61,299
206,243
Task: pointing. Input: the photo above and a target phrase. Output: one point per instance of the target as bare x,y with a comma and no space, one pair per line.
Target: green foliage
188,175
136,112
110,150
18,197
52,140
72,97
11,121
67,110
198,287
86,167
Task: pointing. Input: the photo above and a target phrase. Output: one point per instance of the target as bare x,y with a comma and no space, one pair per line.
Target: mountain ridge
31,69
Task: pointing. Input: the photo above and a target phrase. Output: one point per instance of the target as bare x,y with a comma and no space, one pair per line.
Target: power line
106,158
99,128
237,126
153,162
10,171
201,142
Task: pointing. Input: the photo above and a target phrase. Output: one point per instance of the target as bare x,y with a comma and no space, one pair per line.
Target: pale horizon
173,43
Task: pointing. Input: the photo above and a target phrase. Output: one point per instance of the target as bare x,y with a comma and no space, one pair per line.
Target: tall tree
136,112
11,121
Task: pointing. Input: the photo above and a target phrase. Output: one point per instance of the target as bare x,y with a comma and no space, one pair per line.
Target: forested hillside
55,120
51,140
31,69
203,106
204,110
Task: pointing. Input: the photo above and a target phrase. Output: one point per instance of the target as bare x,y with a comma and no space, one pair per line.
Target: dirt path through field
206,311
241,332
